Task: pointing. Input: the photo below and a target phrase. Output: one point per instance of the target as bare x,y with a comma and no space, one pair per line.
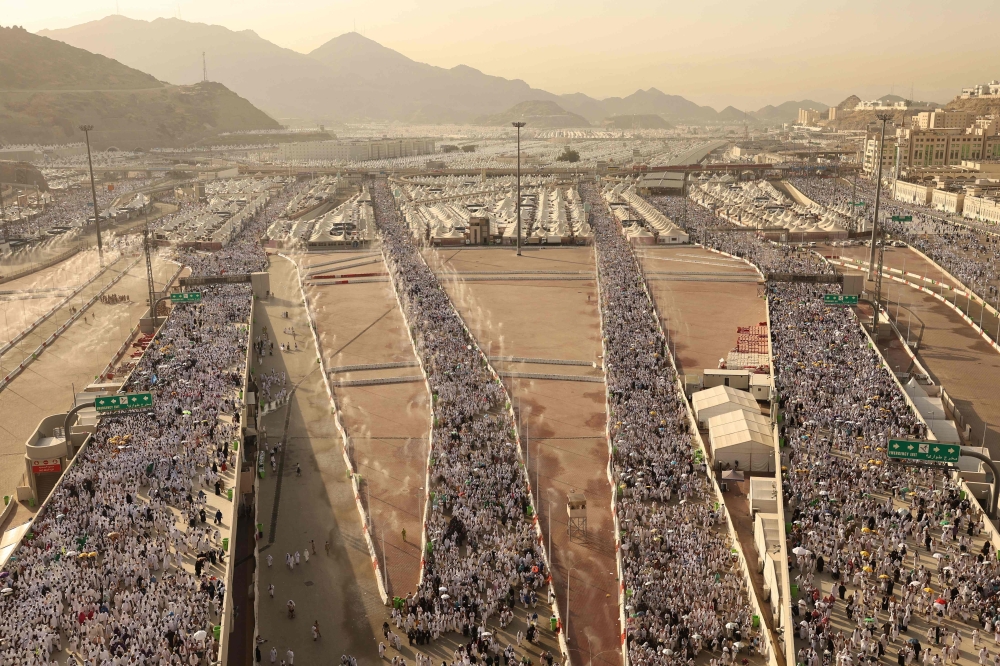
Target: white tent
742,436
720,400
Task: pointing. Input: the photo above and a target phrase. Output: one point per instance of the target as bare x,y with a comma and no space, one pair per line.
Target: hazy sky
745,53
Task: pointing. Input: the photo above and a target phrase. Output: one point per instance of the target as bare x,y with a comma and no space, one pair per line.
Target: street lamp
519,124
93,191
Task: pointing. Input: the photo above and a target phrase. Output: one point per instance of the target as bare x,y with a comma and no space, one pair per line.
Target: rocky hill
50,88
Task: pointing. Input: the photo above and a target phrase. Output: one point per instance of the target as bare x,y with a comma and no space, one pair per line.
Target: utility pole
875,263
149,268
854,200
3,217
884,117
519,124
204,68
93,191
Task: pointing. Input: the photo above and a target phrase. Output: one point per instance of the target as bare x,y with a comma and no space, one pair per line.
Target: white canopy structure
720,400
742,437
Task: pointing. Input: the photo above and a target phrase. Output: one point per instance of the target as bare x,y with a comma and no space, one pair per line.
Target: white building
991,89
982,209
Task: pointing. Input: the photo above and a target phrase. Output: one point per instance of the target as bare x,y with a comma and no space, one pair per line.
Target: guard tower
576,508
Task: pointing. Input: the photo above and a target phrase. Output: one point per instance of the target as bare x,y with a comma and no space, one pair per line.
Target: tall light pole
519,124
93,191
884,117
875,270
3,217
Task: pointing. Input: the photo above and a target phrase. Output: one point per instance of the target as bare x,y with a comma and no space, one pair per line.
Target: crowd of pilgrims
481,552
67,208
684,591
968,253
123,565
874,546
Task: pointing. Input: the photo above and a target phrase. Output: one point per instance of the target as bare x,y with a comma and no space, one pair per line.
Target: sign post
186,297
839,299
903,449
123,401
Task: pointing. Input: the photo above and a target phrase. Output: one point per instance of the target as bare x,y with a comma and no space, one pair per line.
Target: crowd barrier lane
381,579
79,313
990,526
968,320
226,615
769,646
786,623
45,317
48,264
563,646
608,416
135,329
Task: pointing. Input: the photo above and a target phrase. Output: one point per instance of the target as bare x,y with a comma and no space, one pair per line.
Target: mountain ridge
56,87
348,78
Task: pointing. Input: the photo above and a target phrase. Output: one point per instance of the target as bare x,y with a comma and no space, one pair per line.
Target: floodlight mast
93,191
877,249
519,124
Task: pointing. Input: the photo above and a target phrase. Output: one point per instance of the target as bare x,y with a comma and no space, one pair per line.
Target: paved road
336,588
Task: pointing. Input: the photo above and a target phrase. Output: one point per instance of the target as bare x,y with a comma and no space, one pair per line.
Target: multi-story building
943,120
808,116
991,89
871,153
831,113
877,105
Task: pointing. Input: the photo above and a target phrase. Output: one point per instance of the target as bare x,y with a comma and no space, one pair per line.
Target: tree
568,155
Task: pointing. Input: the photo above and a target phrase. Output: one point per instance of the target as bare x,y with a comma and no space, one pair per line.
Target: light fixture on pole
519,124
93,191
875,263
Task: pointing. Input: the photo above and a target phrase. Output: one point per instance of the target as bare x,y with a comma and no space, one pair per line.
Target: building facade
912,192
808,116
982,209
355,151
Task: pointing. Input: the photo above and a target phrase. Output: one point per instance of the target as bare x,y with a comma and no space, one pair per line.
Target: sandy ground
701,316
563,422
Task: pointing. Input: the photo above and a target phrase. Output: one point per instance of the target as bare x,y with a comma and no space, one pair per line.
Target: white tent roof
739,427
720,395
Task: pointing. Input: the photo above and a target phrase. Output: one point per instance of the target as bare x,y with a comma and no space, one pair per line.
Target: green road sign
902,449
857,203
121,401
839,299
186,297
902,218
